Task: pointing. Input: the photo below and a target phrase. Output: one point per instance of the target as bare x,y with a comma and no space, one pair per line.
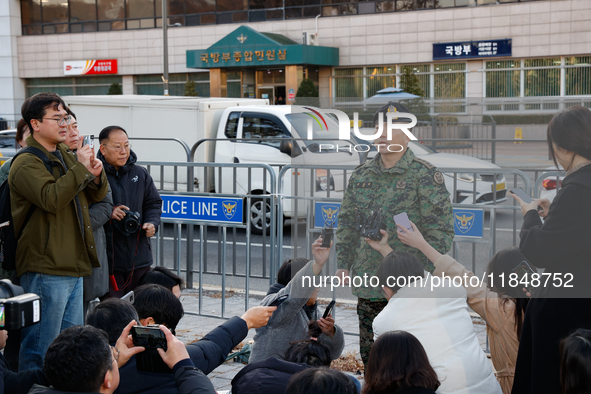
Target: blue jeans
61,307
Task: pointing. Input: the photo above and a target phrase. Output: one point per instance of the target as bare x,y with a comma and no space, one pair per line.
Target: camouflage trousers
367,310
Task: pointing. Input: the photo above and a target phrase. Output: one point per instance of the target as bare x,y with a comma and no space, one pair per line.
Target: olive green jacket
52,241
413,186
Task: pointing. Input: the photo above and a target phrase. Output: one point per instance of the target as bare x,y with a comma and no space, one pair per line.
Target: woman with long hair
561,246
398,363
501,307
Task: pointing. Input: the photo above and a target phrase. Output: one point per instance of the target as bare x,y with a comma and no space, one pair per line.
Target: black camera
130,224
151,338
369,226
17,309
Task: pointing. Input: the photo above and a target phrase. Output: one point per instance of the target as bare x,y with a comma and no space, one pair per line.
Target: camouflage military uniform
413,186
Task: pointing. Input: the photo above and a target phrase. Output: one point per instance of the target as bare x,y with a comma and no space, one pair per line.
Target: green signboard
246,47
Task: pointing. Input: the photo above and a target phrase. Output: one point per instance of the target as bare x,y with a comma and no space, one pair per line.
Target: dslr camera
17,309
369,226
130,224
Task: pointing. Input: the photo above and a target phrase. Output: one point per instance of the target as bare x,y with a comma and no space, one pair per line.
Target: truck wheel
260,216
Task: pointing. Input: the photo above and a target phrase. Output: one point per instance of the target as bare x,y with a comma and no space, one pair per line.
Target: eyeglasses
115,352
119,148
62,120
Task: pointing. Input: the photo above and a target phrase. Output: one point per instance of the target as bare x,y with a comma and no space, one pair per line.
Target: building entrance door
266,92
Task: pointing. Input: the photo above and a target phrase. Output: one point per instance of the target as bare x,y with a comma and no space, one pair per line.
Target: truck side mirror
289,148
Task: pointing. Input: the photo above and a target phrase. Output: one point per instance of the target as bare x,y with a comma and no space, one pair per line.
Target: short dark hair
112,315
158,302
309,351
35,107
575,362
570,129
21,127
71,113
320,381
398,361
161,276
78,360
106,132
289,268
399,265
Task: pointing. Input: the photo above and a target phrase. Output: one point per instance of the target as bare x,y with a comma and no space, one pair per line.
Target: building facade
547,67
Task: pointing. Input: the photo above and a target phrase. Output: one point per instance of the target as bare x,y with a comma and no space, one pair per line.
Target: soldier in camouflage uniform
396,182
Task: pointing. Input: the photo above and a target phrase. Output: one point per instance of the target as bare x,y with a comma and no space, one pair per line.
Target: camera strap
112,277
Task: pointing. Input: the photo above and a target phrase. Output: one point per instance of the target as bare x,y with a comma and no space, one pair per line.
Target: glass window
111,9
54,11
376,81
423,74
385,6
253,127
31,11
274,14
232,125
542,81
505,83
449,83
260,4
200,6
208,19
232,5
82,10
578,79
140,8
202,76
349,83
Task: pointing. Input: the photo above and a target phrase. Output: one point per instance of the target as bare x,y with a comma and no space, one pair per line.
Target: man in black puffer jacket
128,250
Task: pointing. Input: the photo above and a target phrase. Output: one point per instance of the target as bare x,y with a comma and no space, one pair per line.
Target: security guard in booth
393,182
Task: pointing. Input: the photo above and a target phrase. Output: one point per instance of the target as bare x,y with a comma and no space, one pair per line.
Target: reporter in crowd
500,305
128,249
97,284
272,375
290,322
22,132
575,363
561,246
80,360
165,277
438,317
206,354
320,381
398,364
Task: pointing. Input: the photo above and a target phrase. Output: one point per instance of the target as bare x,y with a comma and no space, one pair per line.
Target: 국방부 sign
90,67
208,209
471,49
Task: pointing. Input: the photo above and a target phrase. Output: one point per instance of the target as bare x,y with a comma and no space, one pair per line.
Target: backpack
8,240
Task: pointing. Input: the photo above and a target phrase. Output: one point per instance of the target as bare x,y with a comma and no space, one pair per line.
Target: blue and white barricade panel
326,214
207,209
468,222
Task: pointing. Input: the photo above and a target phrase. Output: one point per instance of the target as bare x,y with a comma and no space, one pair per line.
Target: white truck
247,131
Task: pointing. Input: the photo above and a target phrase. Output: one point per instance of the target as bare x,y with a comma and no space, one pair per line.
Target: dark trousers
367,310
126,282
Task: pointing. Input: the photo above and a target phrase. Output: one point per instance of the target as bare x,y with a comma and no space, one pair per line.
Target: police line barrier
229,210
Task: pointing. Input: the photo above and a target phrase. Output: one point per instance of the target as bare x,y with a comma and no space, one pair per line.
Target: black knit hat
392,106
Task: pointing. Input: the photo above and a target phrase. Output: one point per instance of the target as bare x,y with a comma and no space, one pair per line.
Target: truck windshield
321,133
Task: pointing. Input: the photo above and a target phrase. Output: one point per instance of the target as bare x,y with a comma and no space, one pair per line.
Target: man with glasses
128,249
50,212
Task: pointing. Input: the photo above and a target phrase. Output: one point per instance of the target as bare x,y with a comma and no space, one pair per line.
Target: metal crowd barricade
204,268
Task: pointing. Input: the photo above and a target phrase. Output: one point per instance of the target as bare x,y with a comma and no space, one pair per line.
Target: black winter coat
268,376
207,354
561,245
19,382
133,187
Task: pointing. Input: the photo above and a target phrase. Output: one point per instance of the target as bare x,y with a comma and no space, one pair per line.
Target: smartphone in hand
328,309
403,220
519,192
